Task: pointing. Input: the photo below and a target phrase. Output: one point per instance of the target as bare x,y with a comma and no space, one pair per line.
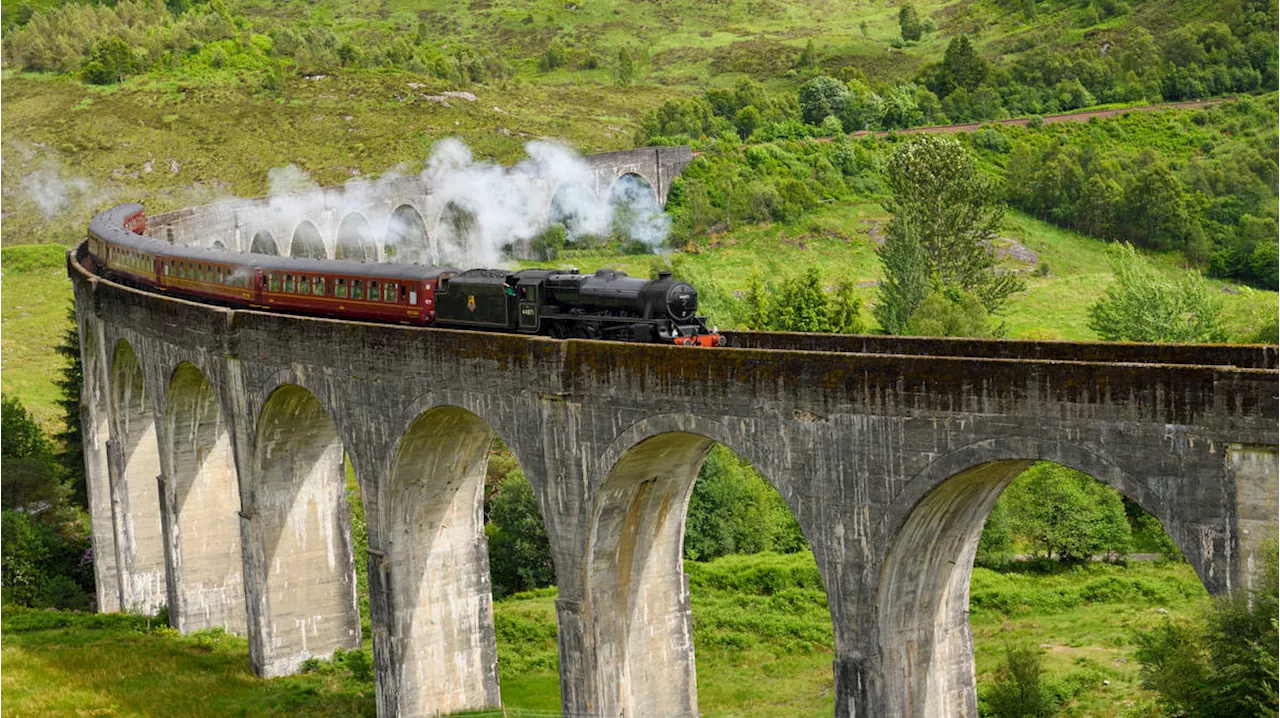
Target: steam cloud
54,191
486,207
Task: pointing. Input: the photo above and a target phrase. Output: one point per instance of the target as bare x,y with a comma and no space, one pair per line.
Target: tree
844,313
746,121
1067,514
110,61
1145,305
962,66
519,551
624,73
1019,690
940,197
800,305
907,280
71,458
950,314
808,57
734,510
909,23
20,436
820,97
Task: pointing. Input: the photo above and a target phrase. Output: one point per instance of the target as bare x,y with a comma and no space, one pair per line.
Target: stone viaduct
215,443
396,219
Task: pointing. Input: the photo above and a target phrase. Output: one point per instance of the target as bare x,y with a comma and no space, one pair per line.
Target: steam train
607,304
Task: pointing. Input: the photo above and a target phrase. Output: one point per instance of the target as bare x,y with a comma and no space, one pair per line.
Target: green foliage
820,98
20,436
996,543
800,304
951,314
110,61
909,23
1144,305
548,244
733,510
625,72
1019,690
942,202
519,551
1224,663
1066,514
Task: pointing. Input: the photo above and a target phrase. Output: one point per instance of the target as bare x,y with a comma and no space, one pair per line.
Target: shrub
519,551
1019,690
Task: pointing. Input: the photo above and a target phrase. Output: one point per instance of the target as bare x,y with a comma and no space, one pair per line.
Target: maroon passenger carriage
604,305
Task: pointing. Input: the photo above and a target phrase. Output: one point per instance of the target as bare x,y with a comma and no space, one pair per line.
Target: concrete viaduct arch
888,450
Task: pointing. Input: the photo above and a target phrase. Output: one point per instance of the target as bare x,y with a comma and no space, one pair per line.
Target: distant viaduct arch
212,433
403,212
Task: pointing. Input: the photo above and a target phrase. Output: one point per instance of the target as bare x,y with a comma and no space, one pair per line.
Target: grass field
762,638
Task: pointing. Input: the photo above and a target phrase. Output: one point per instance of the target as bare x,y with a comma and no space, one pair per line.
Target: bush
1067,514
1019,690
1223,663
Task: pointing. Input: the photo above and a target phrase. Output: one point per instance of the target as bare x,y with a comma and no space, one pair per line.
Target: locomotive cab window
357,289
340,288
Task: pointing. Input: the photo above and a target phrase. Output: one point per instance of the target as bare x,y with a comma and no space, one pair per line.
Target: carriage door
528,301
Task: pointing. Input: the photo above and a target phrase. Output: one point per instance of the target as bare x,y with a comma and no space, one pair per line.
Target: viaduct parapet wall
395,219
215,439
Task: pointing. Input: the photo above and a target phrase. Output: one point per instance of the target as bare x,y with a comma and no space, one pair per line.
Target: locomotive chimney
664,275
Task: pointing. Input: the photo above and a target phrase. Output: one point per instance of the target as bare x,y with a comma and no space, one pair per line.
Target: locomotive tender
557,303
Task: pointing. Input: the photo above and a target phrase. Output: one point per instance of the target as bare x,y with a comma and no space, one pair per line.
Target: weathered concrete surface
889,455
383,220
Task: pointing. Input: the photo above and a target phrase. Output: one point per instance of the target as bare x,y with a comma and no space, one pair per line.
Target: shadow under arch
306,606
210,581
307,242
440,636
218,245
264,243
135,492
636,584
922,600
355,239
405,241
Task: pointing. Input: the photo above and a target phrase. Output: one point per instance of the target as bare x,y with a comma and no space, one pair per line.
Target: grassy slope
763,647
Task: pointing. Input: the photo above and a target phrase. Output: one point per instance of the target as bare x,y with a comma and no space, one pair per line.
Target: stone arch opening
264,243
218,245
457,235
135,491
923,598
637,585
307,242
635,214
303,524
206,494
355,239
441,645
577,208
406,239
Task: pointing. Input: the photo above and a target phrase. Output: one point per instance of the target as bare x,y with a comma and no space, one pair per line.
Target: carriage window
340,288
288,283
389,294
401,294
304,285
317,286
273,282
357,289
374,294
199,272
